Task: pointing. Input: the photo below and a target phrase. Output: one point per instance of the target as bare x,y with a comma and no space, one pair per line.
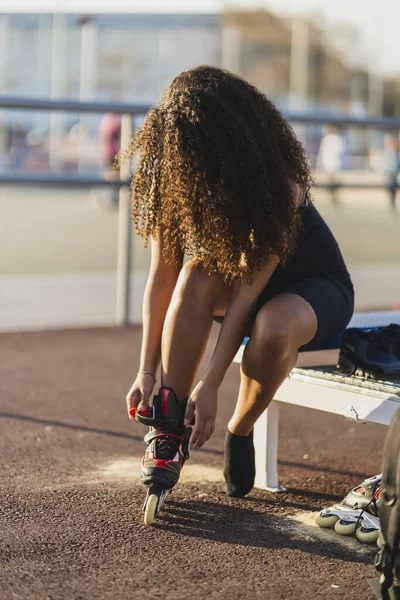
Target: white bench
324,389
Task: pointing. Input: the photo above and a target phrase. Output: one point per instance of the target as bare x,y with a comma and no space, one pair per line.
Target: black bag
373,353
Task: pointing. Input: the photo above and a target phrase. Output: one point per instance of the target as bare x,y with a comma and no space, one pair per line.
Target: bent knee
196,283
192,271
272,336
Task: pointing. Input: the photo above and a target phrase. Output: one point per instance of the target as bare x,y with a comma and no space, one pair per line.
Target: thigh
286,319
325,299
332,303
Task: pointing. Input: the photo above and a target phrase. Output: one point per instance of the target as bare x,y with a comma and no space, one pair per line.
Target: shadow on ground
245,527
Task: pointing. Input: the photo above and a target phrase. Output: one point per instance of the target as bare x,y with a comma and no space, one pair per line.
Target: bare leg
197,297
282,325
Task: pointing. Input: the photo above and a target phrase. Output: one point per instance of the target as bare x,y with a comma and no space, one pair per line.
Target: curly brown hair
216,168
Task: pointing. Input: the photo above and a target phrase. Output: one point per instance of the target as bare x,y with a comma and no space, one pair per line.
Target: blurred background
59,238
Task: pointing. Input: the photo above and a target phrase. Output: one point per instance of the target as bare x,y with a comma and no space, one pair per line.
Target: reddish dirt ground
71,502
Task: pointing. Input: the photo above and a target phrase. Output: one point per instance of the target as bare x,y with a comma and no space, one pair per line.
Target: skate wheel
151,509
367,535
326,519
345,527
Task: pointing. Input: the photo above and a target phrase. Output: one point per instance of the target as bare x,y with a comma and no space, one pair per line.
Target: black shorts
316,272
331,300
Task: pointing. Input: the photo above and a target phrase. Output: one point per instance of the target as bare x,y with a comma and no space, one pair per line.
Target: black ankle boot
240,469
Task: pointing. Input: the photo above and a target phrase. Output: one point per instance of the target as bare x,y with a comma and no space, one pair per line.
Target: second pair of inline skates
357,514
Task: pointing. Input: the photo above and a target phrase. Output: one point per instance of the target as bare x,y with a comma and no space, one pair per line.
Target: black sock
239,471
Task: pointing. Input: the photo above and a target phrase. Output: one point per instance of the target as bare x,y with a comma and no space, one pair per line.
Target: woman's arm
157,296
236,322
240,312
204,398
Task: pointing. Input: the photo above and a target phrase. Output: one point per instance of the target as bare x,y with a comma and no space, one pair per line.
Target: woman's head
216,167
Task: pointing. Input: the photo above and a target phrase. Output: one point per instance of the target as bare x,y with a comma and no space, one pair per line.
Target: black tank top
316,253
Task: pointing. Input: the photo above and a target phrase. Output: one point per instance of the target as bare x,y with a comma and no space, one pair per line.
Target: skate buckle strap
165,411
154,422
156,433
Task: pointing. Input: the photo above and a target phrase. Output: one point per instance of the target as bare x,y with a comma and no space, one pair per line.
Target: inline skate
167,449
357,513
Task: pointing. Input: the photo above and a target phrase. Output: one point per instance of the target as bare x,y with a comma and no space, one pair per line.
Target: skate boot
374,353
167,449
357,513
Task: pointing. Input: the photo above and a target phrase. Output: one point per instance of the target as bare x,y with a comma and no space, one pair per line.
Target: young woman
223,181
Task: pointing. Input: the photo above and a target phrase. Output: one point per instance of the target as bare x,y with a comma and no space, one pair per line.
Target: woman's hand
202,405
139,395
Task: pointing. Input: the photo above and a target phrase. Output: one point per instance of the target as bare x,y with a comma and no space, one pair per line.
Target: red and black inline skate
167,449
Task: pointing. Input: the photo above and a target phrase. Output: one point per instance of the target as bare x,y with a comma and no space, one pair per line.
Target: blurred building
299,64
127,58
133,57
116,57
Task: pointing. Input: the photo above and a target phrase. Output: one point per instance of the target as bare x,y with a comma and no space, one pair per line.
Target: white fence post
124,231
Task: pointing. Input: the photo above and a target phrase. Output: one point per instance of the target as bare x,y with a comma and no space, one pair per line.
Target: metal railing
128,111
124,221
16,103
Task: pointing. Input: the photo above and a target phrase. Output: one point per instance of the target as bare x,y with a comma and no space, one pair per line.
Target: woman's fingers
133,398
138,397
138,403
189,414
206,433
143,406
197,432
203,402
202,431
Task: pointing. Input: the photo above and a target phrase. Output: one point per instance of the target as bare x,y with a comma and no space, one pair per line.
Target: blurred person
109,136
78,148
331,154
331,150
17,144
391,163
38,155
390,154
223,181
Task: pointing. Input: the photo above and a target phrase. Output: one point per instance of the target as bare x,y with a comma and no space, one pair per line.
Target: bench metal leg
266,449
